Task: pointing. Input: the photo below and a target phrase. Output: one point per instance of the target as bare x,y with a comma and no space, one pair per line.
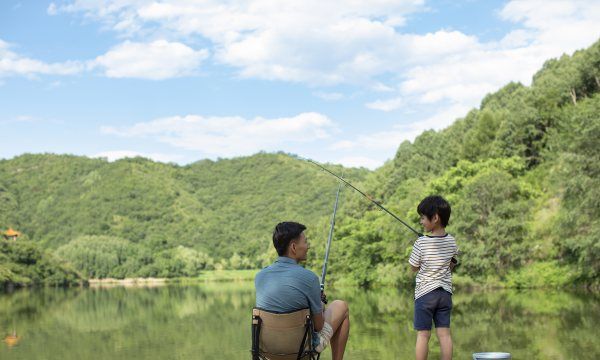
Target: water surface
212,321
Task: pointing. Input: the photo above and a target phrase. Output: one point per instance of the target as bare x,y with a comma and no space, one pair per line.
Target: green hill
136,217
522,173
23,263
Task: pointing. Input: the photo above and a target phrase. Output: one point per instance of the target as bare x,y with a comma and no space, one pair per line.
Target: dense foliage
135,217
522,173
24,263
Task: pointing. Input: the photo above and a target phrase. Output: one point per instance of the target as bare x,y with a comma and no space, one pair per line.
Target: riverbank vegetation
522,173
25,264
137,218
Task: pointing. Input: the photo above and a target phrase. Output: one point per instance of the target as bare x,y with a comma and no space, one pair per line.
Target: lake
212,321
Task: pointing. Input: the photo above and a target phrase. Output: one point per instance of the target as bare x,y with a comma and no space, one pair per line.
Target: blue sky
340,81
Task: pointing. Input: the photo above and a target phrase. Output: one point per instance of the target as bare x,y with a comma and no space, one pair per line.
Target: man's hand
323,297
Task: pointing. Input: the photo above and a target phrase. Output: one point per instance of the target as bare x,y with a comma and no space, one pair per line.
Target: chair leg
256,322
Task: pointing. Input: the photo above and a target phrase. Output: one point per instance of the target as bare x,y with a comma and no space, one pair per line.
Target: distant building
11,234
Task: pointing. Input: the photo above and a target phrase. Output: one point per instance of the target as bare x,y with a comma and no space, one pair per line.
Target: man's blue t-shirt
286,286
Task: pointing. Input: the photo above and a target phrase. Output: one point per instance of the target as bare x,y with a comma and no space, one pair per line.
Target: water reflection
211,321
12,339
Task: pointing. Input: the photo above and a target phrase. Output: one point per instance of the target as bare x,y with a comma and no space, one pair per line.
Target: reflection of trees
211,321
531,324
139,323
27,305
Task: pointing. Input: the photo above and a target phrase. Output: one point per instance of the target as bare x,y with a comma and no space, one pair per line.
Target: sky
336,81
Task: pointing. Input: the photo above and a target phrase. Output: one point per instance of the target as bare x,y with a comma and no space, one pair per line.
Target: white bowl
491,355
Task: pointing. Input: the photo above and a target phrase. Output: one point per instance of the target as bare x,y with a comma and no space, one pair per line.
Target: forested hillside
136,217
522,173
24,263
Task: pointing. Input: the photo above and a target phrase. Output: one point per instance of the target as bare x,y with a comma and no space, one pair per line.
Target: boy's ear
435,218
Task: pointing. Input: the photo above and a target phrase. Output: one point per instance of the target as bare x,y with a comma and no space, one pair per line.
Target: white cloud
329,96
230,136
156,60
356,42
462,77
121,154
306,41
13,64
559,25
386,141
25,118
386,105
52,10
337,42
325,43
380,87
381,141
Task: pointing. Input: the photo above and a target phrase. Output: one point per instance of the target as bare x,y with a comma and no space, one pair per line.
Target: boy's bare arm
415,268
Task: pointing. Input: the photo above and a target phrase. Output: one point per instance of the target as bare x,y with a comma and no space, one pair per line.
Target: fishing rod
365,195
324,272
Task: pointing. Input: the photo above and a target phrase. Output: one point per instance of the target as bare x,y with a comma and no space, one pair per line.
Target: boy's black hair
284,233
435,204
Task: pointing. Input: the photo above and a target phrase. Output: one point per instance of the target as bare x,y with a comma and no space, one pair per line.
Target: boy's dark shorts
435,305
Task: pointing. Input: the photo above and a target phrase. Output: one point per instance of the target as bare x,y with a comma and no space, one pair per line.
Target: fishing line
365,195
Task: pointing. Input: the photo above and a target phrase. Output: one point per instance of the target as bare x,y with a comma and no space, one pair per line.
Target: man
286,286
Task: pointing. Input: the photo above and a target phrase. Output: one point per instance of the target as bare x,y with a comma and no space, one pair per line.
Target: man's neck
291,257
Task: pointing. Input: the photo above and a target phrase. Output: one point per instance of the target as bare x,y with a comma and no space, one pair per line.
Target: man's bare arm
318,321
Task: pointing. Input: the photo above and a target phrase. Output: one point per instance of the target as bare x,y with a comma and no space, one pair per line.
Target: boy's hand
453,263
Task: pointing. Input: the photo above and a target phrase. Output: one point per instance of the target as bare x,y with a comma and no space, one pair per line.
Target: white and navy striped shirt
432,255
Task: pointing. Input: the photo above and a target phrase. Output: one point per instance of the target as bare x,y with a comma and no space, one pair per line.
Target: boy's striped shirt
432,255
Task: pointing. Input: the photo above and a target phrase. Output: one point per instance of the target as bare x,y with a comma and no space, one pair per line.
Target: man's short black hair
435,204
284,233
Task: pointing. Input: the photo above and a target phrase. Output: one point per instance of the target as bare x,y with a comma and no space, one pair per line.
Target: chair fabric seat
285,336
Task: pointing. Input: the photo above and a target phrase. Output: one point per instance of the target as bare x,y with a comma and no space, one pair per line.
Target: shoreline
143,282
205,277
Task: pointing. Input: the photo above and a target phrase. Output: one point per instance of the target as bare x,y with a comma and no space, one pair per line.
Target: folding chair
286,336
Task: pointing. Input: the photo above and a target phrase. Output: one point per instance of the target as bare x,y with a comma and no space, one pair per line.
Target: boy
433,257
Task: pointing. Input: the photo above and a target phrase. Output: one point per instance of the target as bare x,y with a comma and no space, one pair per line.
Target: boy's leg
441,318
422,323
422,347
445,339
337,315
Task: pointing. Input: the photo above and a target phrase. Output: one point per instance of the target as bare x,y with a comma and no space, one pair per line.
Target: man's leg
337,315
422,347
445,339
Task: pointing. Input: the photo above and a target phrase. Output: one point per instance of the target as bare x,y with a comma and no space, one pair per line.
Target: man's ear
292,247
